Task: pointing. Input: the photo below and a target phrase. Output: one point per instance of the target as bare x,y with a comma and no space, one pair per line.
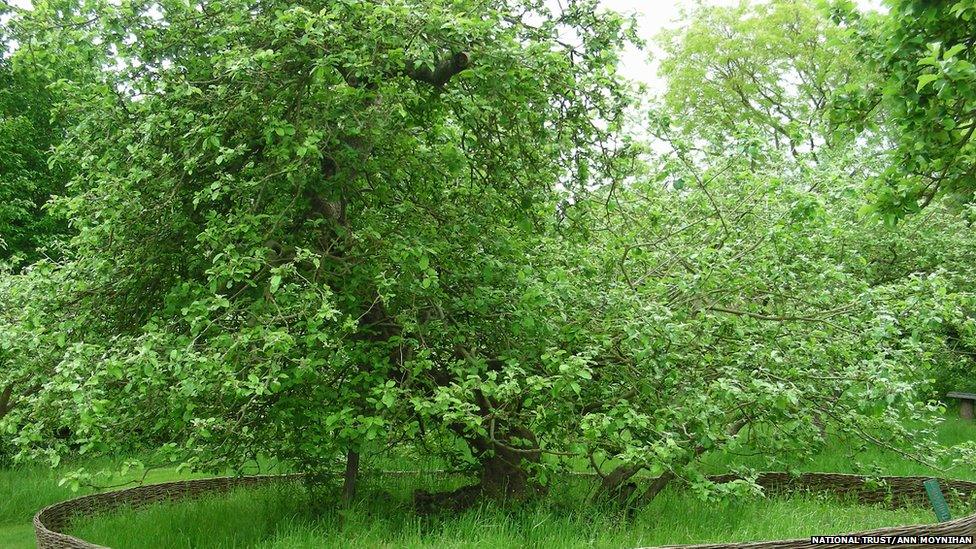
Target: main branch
445,69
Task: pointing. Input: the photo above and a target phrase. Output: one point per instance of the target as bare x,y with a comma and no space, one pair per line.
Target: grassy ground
279,518
24,490
282,517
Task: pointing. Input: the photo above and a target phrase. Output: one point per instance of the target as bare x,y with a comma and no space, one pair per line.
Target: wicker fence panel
894,491
50,520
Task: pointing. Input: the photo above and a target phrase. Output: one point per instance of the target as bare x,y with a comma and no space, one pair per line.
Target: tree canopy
317,231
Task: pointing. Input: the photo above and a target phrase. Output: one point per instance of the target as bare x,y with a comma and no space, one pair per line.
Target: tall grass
25,489
281,517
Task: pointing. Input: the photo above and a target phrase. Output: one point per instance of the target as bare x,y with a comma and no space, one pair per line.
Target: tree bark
504,472
350,477
5,405
444,69
613,484
656,486
503,476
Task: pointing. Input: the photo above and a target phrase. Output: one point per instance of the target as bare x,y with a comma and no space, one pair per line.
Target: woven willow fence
891,491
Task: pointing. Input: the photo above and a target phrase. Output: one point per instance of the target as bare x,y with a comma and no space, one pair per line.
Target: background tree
781,311
28,131
759,71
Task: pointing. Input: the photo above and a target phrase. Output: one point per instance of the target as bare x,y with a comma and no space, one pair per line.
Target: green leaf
925,80
951,52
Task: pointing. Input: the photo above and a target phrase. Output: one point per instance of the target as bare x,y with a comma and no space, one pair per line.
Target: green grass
284,517
26,489
279,518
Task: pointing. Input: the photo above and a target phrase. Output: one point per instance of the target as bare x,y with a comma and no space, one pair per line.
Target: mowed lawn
285,516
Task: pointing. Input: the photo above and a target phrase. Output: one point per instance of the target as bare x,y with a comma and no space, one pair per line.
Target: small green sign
937,499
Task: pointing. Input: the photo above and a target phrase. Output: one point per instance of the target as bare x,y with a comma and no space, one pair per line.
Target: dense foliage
924,98
27,135
308,232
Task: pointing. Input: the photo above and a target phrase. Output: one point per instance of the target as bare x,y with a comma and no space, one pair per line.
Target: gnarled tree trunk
504,475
